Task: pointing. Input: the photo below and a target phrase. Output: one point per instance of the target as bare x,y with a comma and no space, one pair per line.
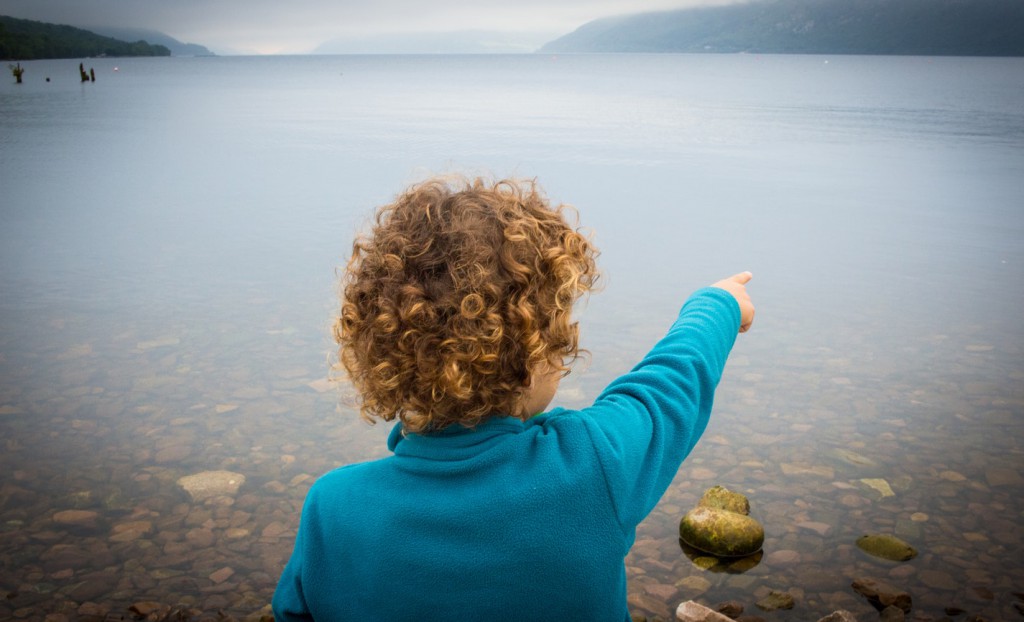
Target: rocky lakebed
153,474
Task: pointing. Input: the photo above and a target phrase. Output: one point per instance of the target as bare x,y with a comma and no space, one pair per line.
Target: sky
302,26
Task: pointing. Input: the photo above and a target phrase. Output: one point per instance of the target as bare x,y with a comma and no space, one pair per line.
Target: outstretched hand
736,285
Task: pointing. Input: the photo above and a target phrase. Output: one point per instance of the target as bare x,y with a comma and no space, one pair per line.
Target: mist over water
169,237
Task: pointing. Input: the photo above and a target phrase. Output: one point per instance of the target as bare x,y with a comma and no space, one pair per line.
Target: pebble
983,592
132,530
892,614
172,454
882,595
691,611
782,557
694,612
902,572
222,575
776,600
274,529
92,588
1003,476
822,529
730,608
159,342
209,484
693,585
938,579
817,470
648,603
200,537
146,608
880,486
322,385
702,473
886,546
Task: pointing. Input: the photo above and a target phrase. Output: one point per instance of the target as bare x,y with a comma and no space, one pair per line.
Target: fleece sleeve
289,603
646,422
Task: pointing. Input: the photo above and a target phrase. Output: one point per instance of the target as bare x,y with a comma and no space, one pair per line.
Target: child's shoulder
547,416
556,417
345,476
562,421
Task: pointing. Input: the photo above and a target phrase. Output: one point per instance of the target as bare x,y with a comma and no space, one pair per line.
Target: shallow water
168,240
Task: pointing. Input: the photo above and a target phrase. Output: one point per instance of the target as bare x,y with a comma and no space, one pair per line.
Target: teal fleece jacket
512,520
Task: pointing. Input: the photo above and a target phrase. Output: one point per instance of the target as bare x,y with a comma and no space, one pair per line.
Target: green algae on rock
720,497
887,547
721,525
720,532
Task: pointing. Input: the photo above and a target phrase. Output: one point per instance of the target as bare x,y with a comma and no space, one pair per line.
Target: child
456,322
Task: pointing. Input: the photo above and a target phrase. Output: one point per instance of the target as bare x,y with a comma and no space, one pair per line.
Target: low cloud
272,26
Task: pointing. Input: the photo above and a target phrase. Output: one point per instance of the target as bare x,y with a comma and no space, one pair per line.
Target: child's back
496,515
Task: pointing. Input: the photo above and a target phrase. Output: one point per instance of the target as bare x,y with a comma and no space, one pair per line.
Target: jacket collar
454,437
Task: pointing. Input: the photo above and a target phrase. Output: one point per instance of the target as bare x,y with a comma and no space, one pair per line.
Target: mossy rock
722,498
720,532
886,547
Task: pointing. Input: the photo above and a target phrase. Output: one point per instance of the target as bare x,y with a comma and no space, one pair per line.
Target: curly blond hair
461,291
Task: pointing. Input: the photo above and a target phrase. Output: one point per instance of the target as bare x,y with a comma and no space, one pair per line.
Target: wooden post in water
17,71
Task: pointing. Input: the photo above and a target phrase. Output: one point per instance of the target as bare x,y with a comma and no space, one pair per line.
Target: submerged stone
887,547
691,611
882,595
145,608
209,484
721,533
839,616
776,600
694,584
130,531
851,457
739,565
705,563
880,486
160,342
78,518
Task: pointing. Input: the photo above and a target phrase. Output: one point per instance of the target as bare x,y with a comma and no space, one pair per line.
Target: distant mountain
896,27
176,47
461,42
22,39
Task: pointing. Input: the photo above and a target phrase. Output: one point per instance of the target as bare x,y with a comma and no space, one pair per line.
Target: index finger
742,278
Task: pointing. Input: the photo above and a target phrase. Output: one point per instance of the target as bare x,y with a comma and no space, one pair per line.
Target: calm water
168,241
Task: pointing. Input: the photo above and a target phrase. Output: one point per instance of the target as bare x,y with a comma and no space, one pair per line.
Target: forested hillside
155,37
918,27
22,39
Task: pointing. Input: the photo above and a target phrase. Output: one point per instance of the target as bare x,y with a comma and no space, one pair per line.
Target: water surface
169,236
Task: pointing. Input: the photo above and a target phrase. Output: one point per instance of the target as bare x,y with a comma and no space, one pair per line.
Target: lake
169,236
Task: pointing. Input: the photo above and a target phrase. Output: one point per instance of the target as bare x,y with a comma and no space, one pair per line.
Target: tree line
922,27
22,39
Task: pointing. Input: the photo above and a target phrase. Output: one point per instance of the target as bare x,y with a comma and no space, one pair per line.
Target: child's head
460,295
